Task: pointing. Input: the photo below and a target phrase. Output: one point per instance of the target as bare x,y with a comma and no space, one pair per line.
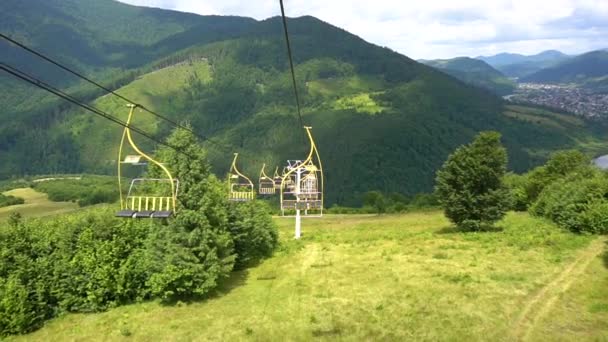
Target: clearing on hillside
36,204
394,277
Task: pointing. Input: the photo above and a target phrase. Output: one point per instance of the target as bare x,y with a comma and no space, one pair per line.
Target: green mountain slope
474,72
579,69
381,120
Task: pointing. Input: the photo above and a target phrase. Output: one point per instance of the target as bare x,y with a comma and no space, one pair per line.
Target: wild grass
582,312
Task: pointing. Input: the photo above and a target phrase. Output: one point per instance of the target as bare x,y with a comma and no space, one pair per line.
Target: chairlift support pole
298,217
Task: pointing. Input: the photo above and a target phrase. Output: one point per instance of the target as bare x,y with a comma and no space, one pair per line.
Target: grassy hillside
579,69
381,120
36,205
474,72
385,277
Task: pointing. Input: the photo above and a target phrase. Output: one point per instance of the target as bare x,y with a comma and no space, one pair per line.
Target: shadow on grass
460,230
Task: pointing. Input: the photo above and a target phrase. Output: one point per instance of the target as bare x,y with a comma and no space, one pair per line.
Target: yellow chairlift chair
239,186
146,197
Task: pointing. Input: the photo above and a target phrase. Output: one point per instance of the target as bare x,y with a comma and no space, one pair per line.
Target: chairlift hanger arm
236,171
127,133
263,172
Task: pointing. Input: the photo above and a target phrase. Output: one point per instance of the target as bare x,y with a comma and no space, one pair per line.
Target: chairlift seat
134,160
143,214
126,213
162,214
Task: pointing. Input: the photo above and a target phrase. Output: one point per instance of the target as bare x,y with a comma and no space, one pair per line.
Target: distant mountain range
579,69
514,58
517,65
475,72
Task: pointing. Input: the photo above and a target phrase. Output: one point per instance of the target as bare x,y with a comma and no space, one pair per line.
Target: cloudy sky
438,28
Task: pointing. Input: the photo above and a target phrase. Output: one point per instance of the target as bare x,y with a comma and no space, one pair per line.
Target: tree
376,200
470,186
208,236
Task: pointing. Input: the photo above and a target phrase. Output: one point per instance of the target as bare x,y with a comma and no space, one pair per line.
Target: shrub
7,200
559,165
86,191
90,261
575,202
517,189
469,185
253,231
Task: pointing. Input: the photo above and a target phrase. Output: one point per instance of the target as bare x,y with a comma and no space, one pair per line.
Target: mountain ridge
381,120
475,72
578,69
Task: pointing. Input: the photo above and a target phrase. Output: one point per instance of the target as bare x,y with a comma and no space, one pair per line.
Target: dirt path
539,305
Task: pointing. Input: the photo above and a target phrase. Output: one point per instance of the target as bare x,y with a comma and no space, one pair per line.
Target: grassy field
394,277
36,205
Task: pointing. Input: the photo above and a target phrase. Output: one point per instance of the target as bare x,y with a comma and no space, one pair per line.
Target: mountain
381,120
514,58
588,67
517,65
474,72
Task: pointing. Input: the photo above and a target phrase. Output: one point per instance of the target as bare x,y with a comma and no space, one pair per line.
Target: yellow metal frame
124,202
265,179
310,165
236,174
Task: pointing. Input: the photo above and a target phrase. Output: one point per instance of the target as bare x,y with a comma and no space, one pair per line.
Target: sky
433,29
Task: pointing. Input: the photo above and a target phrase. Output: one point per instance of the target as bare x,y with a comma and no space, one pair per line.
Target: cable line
293,73
110,91
49,88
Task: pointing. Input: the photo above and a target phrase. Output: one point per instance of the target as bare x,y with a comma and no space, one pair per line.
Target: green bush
517,189
7,200
576,202
86,191
559,165
469,185
253,231
90,261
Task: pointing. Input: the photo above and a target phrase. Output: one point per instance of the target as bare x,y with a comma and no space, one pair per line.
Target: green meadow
389,277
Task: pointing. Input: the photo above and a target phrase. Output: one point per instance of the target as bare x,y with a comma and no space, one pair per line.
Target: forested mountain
588,67
474,72
381,120
517,65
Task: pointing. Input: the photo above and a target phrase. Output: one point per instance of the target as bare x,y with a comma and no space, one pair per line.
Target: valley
453,199
570,98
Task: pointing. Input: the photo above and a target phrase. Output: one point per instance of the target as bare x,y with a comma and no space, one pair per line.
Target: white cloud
438,28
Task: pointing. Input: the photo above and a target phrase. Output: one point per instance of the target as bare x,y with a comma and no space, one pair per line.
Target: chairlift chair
302,184
277,179
265,183
240,188
146,197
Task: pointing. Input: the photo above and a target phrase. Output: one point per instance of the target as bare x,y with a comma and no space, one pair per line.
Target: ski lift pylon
147,203
240,186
